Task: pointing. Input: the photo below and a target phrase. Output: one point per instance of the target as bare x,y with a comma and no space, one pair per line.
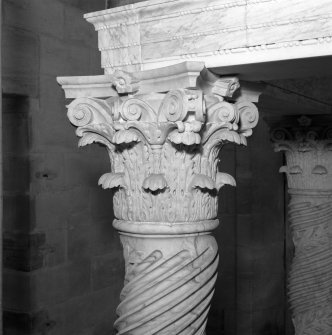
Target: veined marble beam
163,136
307,143
157,33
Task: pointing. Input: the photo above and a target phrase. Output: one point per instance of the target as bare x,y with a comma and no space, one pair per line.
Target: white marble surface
164,79
163,132
157,33
87,86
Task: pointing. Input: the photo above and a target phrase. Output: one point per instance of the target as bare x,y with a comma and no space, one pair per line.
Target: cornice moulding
156,33
87,86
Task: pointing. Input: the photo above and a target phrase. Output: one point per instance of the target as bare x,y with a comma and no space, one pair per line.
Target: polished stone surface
157,33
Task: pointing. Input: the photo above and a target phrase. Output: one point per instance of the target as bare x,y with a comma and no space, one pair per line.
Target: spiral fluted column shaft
168,285
310,277
307,143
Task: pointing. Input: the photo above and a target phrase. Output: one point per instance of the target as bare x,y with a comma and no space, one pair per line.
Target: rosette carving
124,82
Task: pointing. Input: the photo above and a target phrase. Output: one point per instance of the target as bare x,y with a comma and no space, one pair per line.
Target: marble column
307,143
164,153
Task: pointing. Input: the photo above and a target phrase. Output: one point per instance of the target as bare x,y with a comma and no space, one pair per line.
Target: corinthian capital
163,137
307,143
164,147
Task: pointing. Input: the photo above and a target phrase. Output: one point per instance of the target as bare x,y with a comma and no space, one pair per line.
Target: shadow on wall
271,329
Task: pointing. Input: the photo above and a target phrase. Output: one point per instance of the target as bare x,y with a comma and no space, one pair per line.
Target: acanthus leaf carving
155,182
319,169
187,133
124,136
90,138
163,150
295,169
224,179
112,180
202,182
306,142
144,134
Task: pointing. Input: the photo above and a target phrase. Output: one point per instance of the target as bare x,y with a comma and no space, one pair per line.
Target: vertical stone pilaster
307,143
164,154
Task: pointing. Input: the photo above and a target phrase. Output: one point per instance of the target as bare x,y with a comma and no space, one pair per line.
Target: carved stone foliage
307,143
164,147
163,150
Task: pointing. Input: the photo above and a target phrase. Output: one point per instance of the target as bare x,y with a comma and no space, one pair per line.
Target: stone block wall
63,266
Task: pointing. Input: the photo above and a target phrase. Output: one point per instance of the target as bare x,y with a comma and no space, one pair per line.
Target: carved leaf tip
319,169
89,138
112,180
186,138
155,182
305,147
187,133
283,169
224,179
202,182
243,140
296,169
86,140
125,136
